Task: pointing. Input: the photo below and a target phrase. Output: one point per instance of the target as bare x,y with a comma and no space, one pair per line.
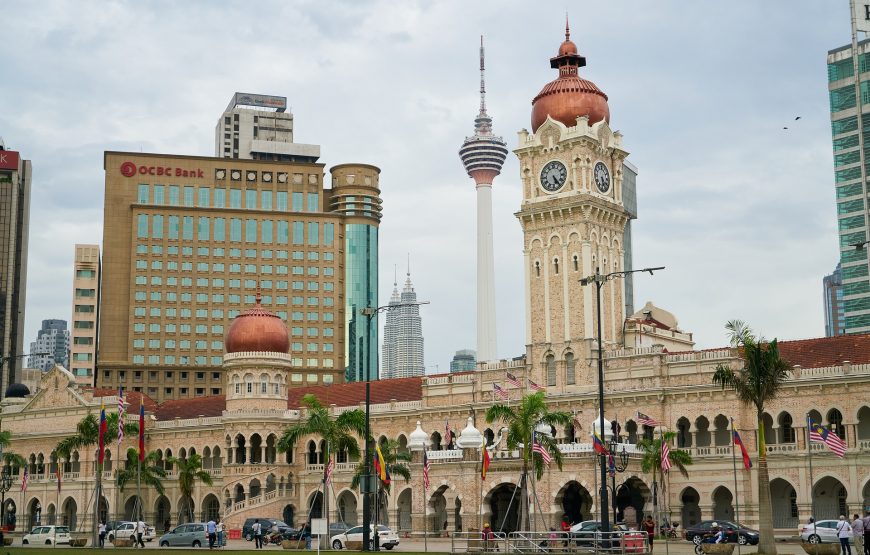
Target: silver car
824,531
193,534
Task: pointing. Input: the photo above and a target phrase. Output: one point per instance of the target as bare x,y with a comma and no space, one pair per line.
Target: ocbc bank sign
129,169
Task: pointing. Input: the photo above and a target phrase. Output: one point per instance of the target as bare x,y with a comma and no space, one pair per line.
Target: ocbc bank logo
128,169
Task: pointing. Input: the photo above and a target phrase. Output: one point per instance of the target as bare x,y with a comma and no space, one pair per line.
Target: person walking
649,526
858,534
866,521
844,532
220,532
211,530
102,531
257,529
306,533
140,534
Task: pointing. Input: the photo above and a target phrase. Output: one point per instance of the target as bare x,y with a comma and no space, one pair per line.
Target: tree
652,461
396,462
189,470
339,433
763,373
521,423
88,433
151,474
10,458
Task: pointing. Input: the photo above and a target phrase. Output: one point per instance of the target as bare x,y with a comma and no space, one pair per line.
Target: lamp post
599,280
365,484
620,463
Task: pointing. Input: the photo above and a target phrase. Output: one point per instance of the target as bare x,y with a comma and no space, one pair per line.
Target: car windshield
382,528
355,530
62,530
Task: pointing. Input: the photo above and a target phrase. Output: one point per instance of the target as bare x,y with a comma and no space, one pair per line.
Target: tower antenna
482,79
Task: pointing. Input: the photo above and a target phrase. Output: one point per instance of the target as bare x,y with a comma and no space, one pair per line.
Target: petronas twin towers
403,335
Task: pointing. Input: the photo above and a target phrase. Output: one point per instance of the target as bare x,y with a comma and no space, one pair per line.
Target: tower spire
482,80
567,29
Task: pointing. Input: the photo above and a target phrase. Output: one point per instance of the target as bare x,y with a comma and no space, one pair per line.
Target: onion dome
569,96
470,437
257,330
596,428
419,440
17,391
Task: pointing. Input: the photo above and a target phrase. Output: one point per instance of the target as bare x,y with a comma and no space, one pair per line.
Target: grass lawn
17,549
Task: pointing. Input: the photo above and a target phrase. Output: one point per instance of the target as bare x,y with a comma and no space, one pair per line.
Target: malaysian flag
538,448
646,420
829,438
535,387
330,466
500,391
513,380
120,415
666,456
24,480
427,466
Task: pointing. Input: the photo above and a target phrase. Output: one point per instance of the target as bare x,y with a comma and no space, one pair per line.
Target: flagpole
425,503
810,459
736,497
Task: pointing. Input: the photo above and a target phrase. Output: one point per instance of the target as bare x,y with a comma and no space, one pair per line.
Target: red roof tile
827,351
130,397
348,394
191,408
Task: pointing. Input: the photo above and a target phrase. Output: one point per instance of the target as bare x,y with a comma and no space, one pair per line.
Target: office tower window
297,202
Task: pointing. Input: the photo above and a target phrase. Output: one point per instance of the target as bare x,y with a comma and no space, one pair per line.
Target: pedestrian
858,534
649,527
257,529
306,533
554,536
102,534
565,526
866,521
487,536
140,533
220,532
211,530
844,532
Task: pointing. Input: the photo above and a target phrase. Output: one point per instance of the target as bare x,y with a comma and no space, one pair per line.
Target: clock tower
573,219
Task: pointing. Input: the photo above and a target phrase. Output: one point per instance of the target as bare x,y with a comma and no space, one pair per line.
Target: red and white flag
330,466
511,379
539,449
24,480
500,391
666,456
121,412
646,420
535,387
427,466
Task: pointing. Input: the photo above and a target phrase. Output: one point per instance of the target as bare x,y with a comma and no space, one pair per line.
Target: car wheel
249,537
24,542
815,539
164,544
741,539
696,539
47,542
111,538
388,547
337,544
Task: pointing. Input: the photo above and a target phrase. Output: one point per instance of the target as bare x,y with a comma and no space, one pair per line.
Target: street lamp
367,479
599,280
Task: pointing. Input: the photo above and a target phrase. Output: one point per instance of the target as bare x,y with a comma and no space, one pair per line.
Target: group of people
858,530
260,535
215,530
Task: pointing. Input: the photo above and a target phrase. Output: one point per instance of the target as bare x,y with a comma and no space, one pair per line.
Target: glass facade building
850,179
832,295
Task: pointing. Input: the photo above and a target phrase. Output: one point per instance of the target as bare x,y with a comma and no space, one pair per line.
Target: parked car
734,532
584,534
386,537
127,529
824,531
192,534
47,535
266,523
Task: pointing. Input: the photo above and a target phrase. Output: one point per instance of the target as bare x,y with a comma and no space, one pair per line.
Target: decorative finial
395,275
482,80
409,265
567,29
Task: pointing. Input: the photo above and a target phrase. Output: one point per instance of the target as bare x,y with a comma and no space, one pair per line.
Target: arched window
537,268
569,369
835,423
576,263
556,265
551,370
786,431
264,383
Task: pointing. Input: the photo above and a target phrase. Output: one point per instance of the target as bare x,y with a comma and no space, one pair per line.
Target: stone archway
288,514
438,510
631,498
70,512
830,497
347,508
211,508
132,507
783,500
690,512
576,502
865,494
162,514
504,507
403,509
10,514
723,507
315,505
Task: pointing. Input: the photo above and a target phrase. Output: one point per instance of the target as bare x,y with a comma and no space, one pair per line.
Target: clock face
602,177
553,176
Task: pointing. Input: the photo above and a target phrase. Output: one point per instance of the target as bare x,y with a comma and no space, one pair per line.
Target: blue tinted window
220,198
142,226
157,226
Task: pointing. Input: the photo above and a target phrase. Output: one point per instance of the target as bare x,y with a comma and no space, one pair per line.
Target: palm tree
10,458
763,373
339,433
521,423
652,461
397,465
151,474
189,470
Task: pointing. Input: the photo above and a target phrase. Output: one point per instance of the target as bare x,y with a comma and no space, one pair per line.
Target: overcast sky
740,210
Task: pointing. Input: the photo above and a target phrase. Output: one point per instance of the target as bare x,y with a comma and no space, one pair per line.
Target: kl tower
483,155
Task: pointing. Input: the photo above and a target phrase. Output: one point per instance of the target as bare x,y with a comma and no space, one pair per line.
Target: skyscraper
51,346
483,155
85,313
259,127
403,335
832,297
463,361
15,175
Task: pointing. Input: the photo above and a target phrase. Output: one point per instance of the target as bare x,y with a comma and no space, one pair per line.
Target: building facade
188,241
259,127
15,178
832,298
464,360
850,179
51,346
85,313
403,335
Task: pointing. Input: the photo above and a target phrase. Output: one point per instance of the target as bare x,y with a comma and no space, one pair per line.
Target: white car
126,530
824,531
47,535
386,537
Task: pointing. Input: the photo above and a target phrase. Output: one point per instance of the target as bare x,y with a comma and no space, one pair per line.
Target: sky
740,211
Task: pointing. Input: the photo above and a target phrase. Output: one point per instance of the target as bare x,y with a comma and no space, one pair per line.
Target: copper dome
569,96
257,330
